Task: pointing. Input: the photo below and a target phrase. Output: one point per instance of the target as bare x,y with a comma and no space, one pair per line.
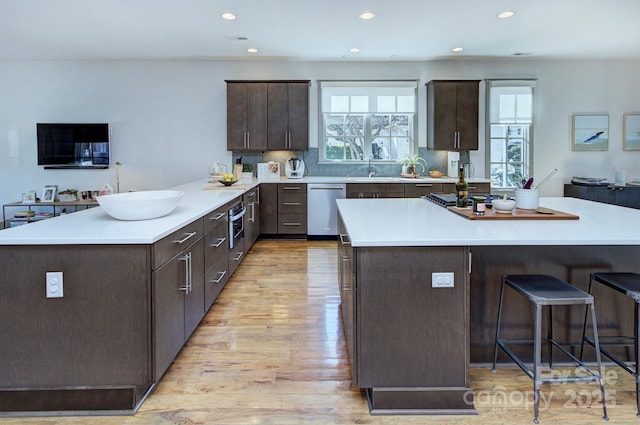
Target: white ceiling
317,29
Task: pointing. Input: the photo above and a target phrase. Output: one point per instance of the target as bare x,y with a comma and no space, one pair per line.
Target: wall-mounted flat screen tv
63,145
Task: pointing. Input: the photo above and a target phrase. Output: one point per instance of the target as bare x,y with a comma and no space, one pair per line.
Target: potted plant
411,162
247,171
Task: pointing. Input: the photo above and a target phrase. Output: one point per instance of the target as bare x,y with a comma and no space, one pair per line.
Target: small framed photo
29,197
590,132
49,193
631,131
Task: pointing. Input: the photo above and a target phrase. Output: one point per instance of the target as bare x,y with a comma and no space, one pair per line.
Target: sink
143,205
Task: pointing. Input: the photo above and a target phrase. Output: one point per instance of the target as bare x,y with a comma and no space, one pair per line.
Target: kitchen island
132,294
412,335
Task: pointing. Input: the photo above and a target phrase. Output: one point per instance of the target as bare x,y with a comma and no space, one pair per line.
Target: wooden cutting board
517,214
220,186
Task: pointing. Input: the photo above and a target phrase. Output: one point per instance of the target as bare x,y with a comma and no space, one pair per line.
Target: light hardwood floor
271,351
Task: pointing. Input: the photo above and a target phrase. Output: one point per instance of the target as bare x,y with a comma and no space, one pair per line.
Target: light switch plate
55,288
442,280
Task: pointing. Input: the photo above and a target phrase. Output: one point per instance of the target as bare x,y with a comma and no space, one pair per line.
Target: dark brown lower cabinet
178,292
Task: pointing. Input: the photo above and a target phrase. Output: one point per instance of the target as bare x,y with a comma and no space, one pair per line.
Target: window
362,120
509,131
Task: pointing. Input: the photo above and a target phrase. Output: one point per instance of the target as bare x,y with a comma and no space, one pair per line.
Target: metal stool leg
550,337
596,342
536,361
495,345
637,358
584,325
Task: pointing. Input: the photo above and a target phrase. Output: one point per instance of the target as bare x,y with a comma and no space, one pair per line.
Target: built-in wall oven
236,223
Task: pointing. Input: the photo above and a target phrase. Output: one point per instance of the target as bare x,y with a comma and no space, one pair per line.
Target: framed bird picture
631,125
590,132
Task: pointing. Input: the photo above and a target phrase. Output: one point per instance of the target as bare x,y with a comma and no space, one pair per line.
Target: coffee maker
294,168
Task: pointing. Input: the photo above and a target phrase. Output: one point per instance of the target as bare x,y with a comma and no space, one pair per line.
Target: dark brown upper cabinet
246,116
452,114
267,115
288,115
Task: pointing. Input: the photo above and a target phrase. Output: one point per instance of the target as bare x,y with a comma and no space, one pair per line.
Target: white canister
527,199
621,178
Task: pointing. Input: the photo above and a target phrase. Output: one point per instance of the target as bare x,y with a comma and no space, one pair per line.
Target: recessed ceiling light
457,49
354,50
252,50
228,16
367,15
506,14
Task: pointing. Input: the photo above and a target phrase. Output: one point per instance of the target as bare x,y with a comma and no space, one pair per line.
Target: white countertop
94,226
333,179
416,222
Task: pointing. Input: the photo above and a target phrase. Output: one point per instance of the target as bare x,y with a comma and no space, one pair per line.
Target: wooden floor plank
271,351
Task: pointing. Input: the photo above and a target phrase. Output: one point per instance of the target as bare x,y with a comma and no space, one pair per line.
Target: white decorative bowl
143,205
502,206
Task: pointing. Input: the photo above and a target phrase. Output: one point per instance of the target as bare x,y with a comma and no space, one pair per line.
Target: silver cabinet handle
218,216
291,224
184,239
292,188
251,195
237,257
344,239
187,274
291,203
248,140
424,185
219,242
220,276
253,212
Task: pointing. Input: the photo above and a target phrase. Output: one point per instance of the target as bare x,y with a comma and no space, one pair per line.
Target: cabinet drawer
292,204
483,188
286,189
214,281
216,249
219,217
292,223
167,247
416,190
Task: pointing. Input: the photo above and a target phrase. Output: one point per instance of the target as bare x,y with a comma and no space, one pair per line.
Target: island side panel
570,263
412,338
95,337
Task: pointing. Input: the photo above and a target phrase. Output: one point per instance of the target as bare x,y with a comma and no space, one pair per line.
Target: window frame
368,136
526,157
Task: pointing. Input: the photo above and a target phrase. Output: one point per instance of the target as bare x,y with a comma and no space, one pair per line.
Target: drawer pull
291,224
424,185
291,188
220,276
237,257
251,195
184,239
344,239
220,242
218,216
291,203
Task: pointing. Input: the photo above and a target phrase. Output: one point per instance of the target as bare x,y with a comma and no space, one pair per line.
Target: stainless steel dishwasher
322,213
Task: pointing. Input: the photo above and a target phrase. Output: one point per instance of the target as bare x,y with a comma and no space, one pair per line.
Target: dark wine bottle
462,190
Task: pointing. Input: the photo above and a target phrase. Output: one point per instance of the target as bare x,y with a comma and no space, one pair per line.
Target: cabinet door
168,314
299,116
246,116
278,106
269,208
236,116
467,95
194,300
441,115
252,218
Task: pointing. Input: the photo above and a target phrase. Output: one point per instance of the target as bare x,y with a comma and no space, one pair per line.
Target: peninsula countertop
95,226
416,222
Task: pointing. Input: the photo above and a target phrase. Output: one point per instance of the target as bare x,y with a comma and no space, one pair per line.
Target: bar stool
544,290
628,284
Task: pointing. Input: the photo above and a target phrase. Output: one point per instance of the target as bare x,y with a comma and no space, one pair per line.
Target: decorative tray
516,214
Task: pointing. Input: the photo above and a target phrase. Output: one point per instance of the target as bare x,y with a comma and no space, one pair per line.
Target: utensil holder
527,199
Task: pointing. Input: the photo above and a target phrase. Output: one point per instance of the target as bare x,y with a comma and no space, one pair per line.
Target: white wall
169,118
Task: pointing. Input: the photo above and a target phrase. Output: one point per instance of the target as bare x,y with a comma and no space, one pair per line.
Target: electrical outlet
55,289
442,280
